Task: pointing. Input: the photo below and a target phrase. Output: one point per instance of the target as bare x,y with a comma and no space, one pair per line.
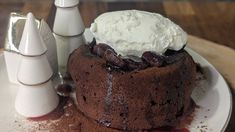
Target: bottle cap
66,3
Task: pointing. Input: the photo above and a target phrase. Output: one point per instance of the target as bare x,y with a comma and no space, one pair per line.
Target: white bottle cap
34,70
36,101
31,43
66,3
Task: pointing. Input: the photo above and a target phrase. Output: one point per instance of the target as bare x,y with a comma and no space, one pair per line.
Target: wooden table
214,21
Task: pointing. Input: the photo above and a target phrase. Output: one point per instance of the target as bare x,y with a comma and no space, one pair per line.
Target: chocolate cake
128,95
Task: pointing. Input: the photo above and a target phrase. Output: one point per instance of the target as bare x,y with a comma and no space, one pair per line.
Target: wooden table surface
214,21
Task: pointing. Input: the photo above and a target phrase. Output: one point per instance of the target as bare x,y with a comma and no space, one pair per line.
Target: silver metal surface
14,31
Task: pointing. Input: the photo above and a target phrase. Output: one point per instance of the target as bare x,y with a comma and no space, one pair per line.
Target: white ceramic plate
212,95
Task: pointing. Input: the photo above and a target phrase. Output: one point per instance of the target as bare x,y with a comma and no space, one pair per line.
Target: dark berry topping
132,65
100,49
153,59
111,57
148,59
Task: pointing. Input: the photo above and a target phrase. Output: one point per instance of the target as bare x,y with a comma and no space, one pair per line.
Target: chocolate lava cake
127,94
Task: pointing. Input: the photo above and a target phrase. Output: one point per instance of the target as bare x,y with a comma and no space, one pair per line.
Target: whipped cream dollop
132,32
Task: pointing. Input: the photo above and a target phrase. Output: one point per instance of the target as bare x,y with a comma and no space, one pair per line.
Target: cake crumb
69,104
65,107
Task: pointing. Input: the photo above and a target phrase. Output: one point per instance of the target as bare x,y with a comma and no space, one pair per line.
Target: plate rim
223,79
